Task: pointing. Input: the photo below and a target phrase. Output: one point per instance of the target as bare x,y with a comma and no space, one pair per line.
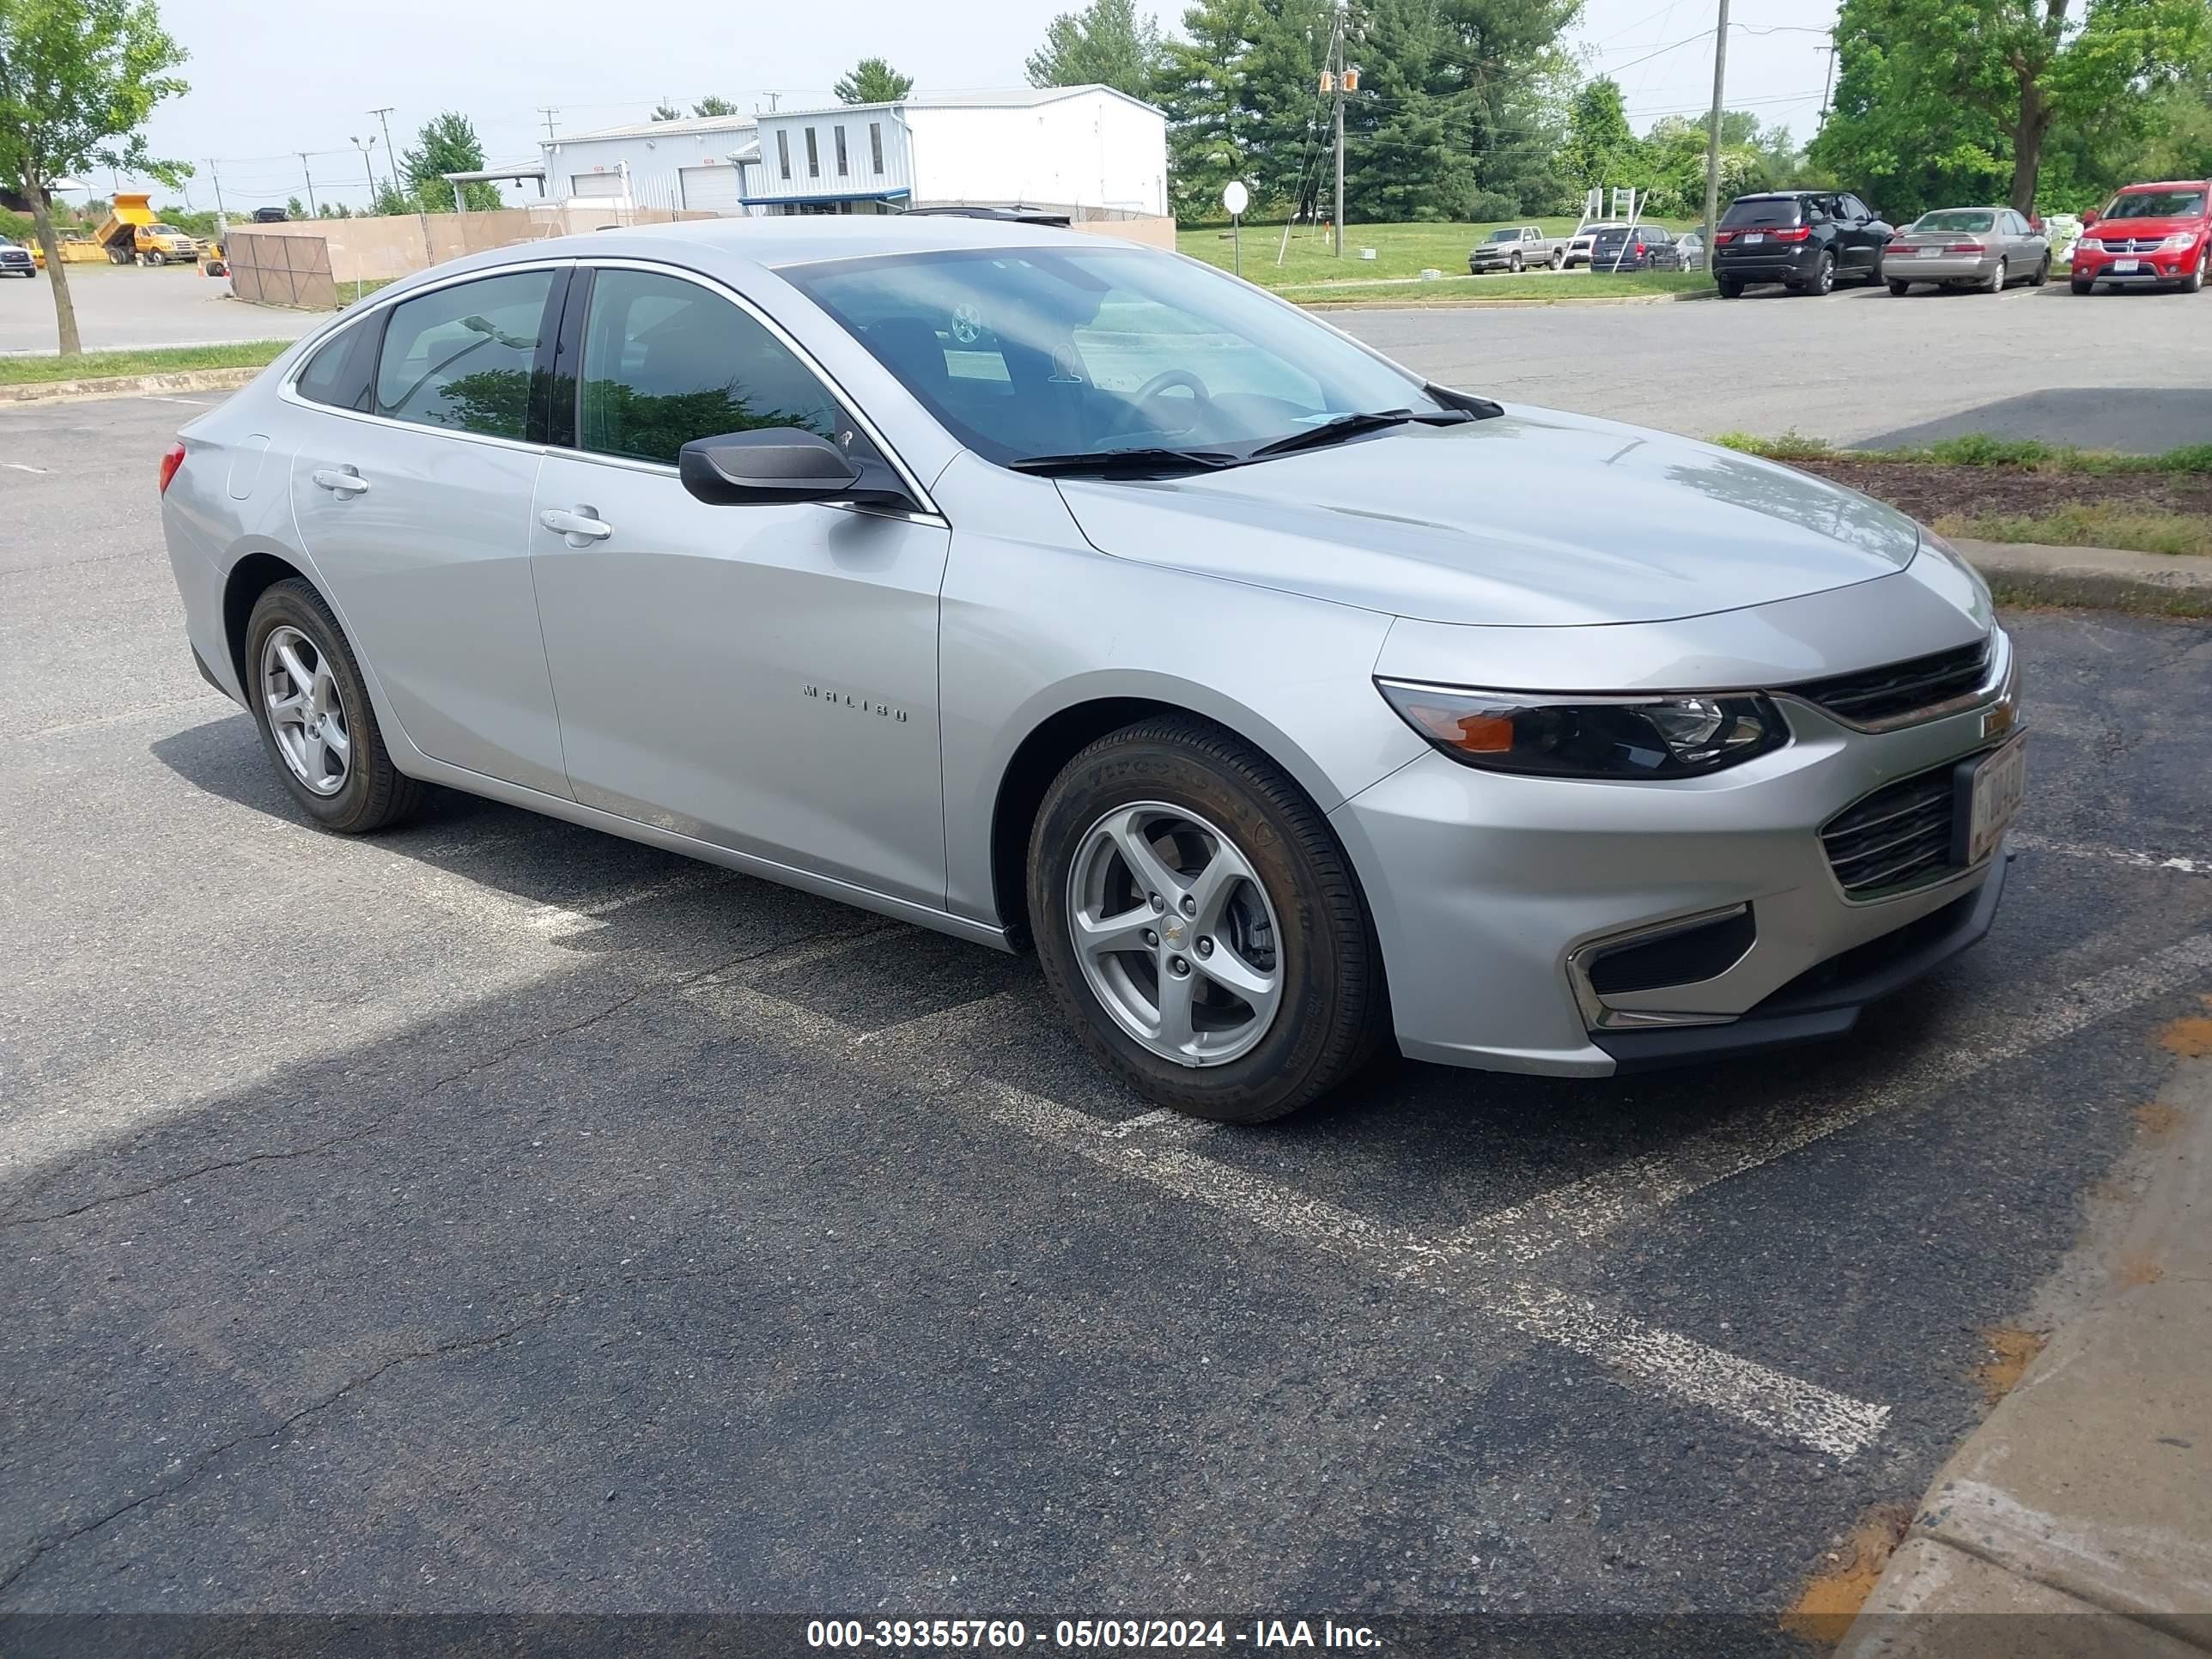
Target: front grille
1899,836
1901,689
2140,245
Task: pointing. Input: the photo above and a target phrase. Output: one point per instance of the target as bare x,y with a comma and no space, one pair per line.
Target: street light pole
314,211
1713,128
365,145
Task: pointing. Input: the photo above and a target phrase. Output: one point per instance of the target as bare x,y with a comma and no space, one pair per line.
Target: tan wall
1154,230
367,249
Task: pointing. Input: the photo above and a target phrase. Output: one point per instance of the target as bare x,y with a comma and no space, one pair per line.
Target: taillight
172,459
1639,250
1964,247
1721,237
1796,234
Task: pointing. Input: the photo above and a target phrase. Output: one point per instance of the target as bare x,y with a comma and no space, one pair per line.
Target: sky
268,81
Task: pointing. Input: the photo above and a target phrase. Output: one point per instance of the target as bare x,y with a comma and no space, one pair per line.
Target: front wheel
1514,265
2082,286
312,705
1200,926
2195,281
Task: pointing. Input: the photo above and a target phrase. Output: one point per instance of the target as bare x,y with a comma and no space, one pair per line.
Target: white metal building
1052,147
654,164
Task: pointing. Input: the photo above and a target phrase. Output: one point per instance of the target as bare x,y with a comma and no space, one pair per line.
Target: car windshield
1956,219
1028,353
1503,236
1756,211
2157,204
164,230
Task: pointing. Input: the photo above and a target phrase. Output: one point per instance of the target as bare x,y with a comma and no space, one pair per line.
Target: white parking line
2129,856
1609,1198
1786,1407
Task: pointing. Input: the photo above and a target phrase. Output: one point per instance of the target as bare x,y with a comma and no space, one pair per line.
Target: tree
1106,43
1987,83
873,80
77,80
1201,84
664,110
295,208
1602,147
447,143
391,199
712,105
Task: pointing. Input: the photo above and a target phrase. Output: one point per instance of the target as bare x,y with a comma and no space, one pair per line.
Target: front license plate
2124,265
1992,787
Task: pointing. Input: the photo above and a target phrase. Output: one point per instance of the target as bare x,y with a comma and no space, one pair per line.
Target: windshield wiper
1141,460
1341,427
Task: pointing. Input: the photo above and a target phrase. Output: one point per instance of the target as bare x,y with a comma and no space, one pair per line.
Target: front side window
666,361
2157,204
1028,352
840,151
813,156
461,357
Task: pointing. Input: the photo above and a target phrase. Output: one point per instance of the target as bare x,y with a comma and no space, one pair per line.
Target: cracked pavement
497,1217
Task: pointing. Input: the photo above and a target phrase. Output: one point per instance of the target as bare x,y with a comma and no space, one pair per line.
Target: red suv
2148,234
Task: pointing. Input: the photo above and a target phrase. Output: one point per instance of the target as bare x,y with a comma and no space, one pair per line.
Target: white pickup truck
1517,248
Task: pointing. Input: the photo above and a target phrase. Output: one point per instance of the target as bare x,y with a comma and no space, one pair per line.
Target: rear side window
666,361
1753,212
460,358
341,368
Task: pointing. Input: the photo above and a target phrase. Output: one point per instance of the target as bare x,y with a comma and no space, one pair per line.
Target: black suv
1807,239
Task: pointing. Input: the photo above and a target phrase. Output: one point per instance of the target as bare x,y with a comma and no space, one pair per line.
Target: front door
411,488
761,676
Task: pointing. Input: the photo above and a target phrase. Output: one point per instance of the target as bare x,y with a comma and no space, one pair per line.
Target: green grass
1399,250
1566,285
2090,523
1979,449
108,365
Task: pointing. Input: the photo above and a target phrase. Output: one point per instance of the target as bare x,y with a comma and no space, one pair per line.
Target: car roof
807,239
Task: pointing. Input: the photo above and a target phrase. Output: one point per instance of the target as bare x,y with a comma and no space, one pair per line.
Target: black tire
157,258
2042,273
2194,283
376,793
1998,278
1900,288
2081,286
1514,265
1333,1009
1824,275
1558,261
1729,290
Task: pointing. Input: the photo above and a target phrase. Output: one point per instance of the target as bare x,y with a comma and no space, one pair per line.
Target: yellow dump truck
131,233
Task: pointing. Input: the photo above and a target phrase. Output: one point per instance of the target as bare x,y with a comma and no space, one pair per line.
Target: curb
2105,578
2080,1508
127,386
1475,302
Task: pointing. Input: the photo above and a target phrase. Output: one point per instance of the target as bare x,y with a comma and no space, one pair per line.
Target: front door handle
582,527
343,480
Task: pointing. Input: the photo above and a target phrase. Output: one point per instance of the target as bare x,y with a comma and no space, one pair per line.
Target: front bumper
2150,269
1492,892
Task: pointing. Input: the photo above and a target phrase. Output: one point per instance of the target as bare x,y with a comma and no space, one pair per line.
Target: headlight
2090,243
2180,242
1584,737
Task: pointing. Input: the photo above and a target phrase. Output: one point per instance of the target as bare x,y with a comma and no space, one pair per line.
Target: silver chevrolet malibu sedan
1052,591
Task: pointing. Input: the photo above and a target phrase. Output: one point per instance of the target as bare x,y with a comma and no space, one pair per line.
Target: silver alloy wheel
1175,933
306,716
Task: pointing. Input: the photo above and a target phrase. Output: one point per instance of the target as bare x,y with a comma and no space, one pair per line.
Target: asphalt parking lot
125,307
494,1215
2129,371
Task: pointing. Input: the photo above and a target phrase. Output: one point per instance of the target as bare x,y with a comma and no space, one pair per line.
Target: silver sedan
1059,593
1985,247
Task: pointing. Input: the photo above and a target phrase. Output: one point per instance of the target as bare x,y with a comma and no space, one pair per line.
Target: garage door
595,184
710,189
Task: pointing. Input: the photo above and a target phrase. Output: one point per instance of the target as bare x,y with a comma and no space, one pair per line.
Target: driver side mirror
2088,217
782,464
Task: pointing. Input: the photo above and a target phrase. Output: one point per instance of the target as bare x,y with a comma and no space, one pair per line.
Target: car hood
1535,518
2141,230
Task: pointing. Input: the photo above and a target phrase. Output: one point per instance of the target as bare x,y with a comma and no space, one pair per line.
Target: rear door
410,489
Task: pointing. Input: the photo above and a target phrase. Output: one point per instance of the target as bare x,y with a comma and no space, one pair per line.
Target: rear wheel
2042,273
1200,926
1996,281
1898,288
1557,259
1729,290
312,705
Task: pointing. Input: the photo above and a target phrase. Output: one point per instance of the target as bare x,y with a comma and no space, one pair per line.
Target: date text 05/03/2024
1010,1635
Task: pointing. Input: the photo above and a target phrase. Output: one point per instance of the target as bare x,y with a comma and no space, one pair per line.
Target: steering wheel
1167,380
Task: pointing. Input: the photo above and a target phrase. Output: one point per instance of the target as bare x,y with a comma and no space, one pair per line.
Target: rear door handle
342,480
582,527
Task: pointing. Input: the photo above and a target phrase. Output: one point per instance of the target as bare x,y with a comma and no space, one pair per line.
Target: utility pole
391,155
1713,128
314,211
217,178
549,111
365,145
1828,85
1336,82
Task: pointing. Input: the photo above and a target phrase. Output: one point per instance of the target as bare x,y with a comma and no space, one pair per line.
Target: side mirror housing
782,464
